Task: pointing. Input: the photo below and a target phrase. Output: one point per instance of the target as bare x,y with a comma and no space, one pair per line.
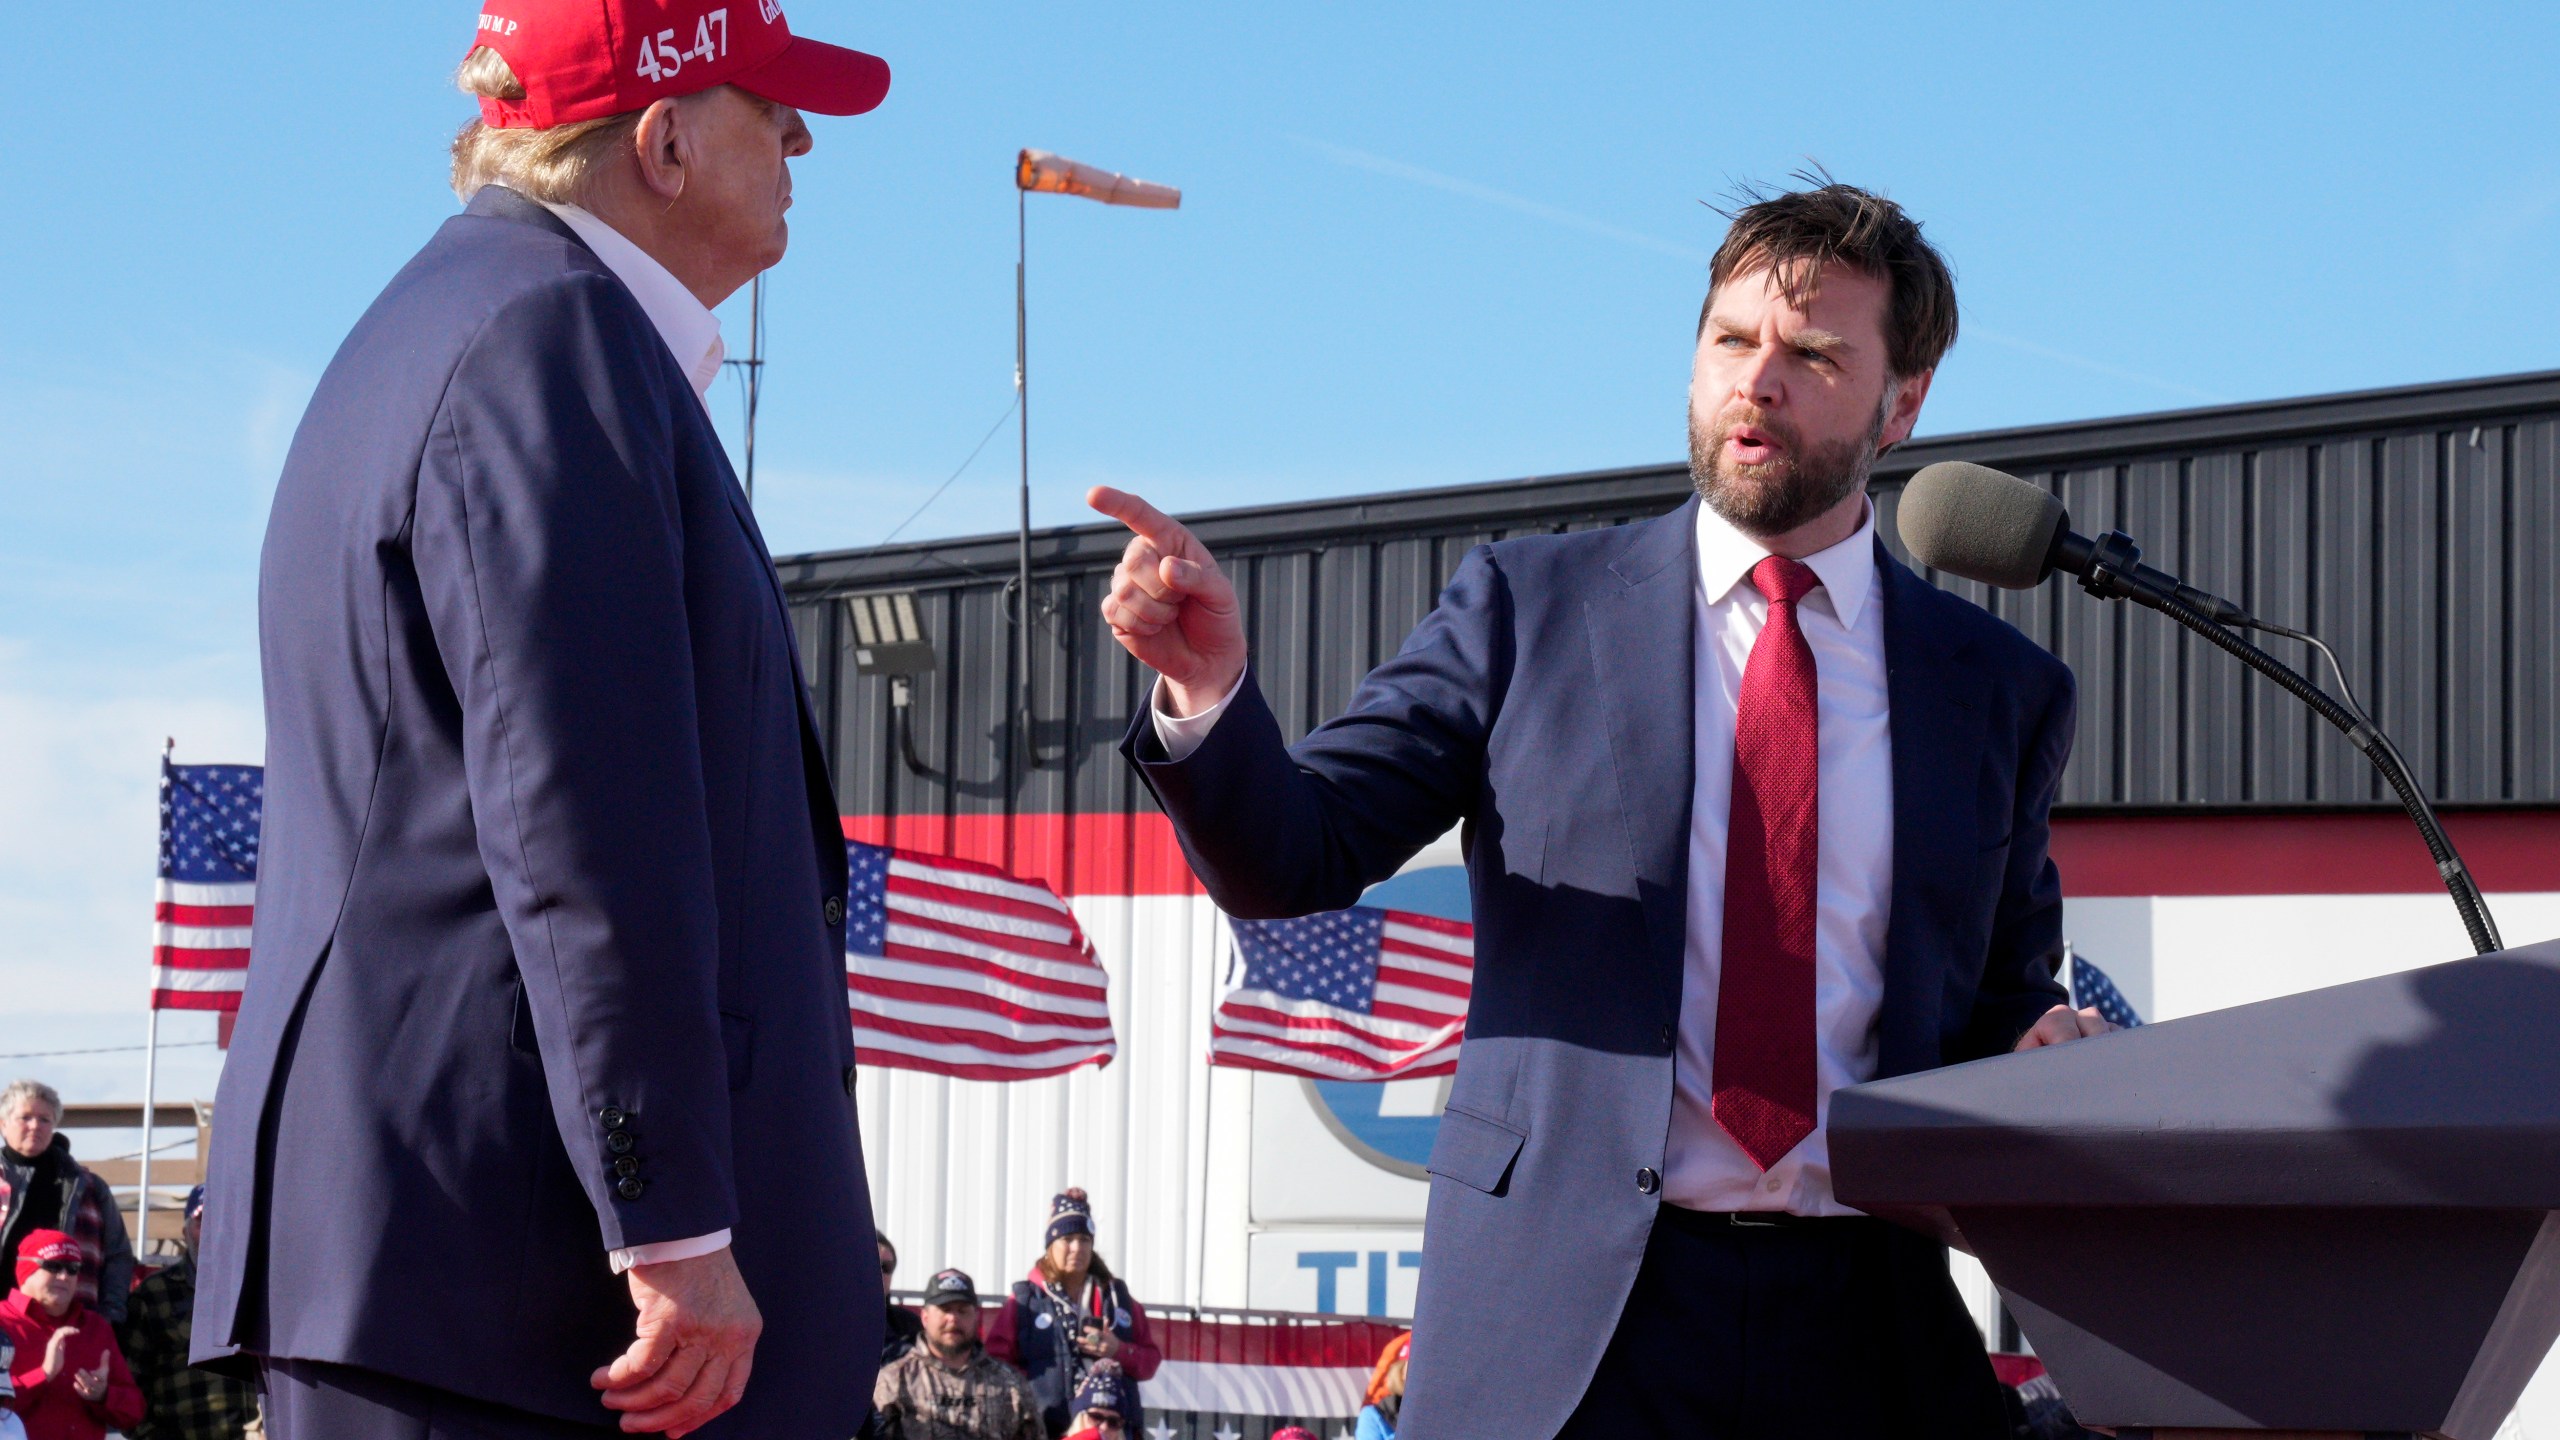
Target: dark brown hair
1795,233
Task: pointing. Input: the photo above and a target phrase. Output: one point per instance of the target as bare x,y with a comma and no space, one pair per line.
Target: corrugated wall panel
2155,652
2344,550
2533,598
2277,568
2422,554
2476,505
2089,638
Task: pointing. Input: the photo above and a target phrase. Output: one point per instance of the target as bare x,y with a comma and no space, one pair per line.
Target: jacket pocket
1474,1151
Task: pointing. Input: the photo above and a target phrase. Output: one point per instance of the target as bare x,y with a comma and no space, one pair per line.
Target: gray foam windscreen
1972,521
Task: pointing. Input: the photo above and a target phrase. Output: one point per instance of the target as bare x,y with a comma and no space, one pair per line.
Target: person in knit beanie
1106,1403
1069,1315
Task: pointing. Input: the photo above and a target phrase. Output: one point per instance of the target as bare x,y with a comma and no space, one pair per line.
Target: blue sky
1420,244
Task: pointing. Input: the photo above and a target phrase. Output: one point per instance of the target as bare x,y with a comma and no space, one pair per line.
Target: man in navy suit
1751,813
539,1117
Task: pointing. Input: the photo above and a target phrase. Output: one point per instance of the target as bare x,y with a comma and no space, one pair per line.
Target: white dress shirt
692,335
1843,624
691,331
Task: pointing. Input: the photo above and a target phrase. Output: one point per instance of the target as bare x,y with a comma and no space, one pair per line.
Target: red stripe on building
2335,853
2339,853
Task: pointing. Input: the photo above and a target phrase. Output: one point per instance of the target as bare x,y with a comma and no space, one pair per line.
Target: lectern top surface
2435,1086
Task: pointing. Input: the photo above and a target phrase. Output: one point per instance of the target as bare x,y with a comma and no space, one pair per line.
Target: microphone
1974,522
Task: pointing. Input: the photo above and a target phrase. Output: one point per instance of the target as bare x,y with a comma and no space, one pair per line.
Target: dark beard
1772,499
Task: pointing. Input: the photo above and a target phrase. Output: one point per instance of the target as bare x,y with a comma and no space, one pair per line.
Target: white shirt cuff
666,1250
1182,734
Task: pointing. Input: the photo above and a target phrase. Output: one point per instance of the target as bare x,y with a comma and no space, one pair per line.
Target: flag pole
1022,546
150,1070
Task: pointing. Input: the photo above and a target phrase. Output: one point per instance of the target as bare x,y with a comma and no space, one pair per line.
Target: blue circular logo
1399,1142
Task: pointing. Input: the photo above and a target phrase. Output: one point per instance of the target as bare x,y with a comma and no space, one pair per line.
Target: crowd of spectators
1062,1354
83,1349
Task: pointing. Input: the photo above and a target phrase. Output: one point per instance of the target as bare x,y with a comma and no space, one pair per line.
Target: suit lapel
1937,730
1643,657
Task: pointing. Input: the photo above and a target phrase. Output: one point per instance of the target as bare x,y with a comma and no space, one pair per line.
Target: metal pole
150,1097
150,1064
755,379
1022,548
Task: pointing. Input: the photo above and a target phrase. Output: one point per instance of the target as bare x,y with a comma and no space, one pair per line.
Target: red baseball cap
40,1246
589,59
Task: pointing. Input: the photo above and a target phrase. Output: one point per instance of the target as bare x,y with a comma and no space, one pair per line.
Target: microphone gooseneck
1979,524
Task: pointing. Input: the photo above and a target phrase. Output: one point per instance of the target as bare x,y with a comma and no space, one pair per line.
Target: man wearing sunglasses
71,1379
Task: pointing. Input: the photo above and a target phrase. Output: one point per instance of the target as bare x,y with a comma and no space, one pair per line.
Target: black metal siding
2412,529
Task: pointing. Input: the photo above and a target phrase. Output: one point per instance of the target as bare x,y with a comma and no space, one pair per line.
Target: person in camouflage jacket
947,1387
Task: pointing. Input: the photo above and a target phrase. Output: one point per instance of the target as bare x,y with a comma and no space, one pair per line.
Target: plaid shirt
179,1403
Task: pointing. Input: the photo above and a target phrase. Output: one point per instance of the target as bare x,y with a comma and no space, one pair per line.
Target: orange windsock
1038,170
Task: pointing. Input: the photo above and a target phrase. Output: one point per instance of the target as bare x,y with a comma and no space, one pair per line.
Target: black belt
1703,1221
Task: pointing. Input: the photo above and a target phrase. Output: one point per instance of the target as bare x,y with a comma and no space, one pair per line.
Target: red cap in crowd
589,59
42,1245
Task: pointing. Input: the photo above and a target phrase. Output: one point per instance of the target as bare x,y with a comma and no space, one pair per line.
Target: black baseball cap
950,1287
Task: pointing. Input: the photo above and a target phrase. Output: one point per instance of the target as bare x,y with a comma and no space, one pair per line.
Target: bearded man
1751,813
539,1119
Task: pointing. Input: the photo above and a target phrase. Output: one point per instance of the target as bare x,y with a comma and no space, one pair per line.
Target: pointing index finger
1151,524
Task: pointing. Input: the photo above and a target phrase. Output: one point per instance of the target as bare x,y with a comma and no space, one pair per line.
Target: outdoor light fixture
887,638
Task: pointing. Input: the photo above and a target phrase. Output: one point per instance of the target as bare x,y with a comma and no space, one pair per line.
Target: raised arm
1276,831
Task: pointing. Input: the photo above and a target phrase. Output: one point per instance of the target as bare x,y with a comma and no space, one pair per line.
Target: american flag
209,822
1358,994
959,969
2090,986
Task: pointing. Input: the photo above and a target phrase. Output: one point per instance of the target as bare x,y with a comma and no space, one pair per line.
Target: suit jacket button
619,1142
627,1166
631,1188
1647,1181
613,1119
834,910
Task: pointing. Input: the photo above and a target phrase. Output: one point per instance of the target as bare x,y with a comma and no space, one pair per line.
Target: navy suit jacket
1547,705
550,849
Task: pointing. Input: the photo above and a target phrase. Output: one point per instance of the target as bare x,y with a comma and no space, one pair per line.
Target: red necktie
1764,1064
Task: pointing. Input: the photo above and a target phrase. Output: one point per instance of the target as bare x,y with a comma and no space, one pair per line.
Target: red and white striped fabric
200,945
1306,1368
1358,994
957,968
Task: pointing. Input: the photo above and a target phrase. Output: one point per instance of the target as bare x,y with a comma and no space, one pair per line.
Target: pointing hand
1170,605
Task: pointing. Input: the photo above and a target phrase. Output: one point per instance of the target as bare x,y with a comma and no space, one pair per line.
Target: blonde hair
552,165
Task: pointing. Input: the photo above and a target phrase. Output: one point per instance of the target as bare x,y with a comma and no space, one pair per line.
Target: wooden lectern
2333,1212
